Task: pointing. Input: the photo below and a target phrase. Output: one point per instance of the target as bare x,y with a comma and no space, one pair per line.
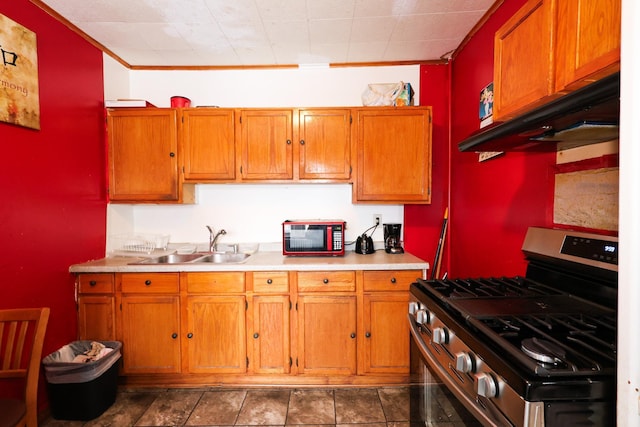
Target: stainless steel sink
199,257
171,259
223,258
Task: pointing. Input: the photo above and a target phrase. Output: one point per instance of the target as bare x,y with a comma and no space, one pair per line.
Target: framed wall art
19,95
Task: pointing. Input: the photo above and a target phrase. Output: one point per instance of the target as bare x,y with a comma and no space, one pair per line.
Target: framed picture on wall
19,95
486,102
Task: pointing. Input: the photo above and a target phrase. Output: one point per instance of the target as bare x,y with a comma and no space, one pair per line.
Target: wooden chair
21,337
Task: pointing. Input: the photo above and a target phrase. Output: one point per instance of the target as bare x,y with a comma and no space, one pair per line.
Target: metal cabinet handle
256,335
288,142
172,154
302,142
353,334
92,283
325,281
174,335
269,281
147,282
189,335
393,280
368,335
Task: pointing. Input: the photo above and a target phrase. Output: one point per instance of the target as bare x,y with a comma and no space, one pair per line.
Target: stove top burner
543,351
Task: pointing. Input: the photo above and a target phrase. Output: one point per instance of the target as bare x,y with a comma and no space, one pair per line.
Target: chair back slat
22,334
13,355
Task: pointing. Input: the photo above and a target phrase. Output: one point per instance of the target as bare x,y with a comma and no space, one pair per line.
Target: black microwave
313,237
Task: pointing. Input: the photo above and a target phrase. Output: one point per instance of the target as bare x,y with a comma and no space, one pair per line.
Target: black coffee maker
392,233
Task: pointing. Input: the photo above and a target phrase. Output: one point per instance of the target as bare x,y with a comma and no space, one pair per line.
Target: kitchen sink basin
171,259
223,258
206,257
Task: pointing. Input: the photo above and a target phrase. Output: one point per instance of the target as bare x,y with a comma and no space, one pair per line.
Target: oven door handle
487,416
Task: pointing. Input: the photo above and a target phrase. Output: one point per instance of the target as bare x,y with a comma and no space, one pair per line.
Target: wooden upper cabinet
208,144
266,144
588,42
523,59
143,155
393,155
550,47
325,144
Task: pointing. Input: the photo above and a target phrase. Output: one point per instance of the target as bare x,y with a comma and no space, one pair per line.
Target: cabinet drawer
390,280
215,282
95,283
270,281
150,282
323,281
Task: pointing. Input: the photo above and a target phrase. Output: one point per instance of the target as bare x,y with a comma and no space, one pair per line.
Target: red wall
494,202
53,210
491,203
423,222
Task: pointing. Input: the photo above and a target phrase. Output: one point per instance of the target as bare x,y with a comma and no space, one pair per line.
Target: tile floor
368,407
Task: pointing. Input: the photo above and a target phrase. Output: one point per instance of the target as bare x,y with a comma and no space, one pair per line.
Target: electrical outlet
377,219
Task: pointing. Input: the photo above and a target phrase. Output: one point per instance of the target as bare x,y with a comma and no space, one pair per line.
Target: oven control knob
464,362
441,336
486,385
413,307
422,317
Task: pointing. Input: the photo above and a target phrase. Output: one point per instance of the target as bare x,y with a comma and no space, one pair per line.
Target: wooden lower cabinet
215,335
386,333
215,315
96,307
150,333
384,338
269,338
327,334
269,323
272,327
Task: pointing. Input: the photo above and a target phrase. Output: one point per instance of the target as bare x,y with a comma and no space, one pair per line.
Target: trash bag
60,368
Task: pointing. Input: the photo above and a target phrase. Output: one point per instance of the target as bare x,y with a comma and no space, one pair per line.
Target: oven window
431,403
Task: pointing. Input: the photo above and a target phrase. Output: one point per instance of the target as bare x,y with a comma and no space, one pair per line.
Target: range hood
586,116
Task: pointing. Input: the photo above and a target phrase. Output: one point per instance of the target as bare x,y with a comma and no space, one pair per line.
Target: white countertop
263,261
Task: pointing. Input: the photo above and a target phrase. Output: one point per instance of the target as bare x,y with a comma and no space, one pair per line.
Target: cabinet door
150,334
588,41
325,144
523,59
143,161
216,339
208,141
269,335
266,144
96,307
326,335
394,155
96,318
386,333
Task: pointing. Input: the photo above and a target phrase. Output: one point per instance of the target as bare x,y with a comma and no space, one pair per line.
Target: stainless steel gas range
530,351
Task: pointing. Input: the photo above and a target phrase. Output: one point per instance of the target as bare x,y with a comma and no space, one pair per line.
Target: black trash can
81,391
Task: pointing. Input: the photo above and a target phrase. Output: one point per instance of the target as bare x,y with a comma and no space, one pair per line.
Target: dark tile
218,408
264,407
395,403
358,405
127,409
170,409
52,422
312,406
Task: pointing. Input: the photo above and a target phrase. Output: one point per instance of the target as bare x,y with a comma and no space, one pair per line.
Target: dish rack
139,243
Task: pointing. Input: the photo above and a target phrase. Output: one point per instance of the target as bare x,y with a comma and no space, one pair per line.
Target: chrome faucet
213,238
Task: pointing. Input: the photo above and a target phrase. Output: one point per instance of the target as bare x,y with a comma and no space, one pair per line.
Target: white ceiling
273,32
